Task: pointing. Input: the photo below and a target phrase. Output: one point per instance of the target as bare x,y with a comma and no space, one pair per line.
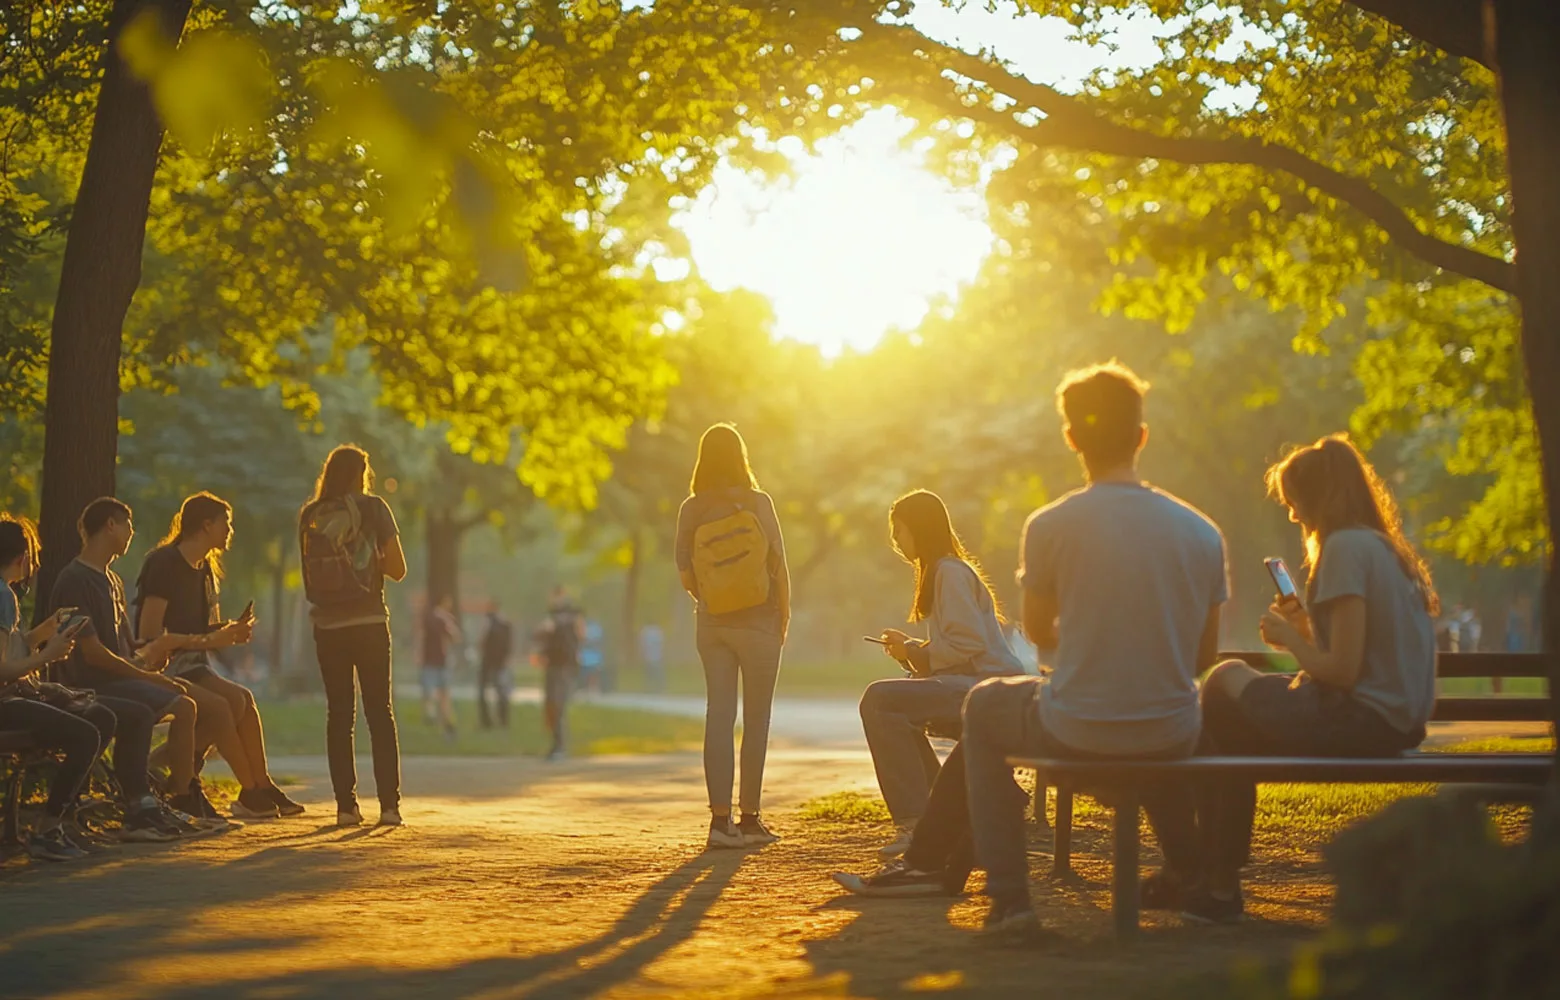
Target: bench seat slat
1532,768
1494,708
1446,664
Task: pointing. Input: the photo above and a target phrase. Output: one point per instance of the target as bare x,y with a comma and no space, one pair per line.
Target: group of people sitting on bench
120,676
1122,589
119,669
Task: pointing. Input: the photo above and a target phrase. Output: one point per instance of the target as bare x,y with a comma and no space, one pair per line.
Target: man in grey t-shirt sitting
1124,582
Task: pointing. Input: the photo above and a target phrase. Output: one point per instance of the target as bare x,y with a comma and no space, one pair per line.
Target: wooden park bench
1497,776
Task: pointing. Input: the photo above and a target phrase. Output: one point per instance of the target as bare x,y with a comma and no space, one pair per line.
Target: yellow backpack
731,562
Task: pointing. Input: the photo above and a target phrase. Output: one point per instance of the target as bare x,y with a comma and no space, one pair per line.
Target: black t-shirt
496,642
379,525
562,644
191,591
438,631
101,597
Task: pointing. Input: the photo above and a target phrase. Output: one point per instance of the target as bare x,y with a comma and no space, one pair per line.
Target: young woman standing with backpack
731,559
350,544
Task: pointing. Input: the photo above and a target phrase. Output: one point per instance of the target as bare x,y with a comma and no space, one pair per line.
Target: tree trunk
1527,36
101,270
630,645
444,533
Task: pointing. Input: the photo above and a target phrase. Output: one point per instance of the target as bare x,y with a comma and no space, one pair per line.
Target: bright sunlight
859,241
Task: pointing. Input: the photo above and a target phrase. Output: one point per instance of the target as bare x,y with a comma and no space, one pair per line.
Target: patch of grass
845,807
798,678
298,727
1501,744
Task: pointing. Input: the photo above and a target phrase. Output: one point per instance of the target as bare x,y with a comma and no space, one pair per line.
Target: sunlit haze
864,237
855,243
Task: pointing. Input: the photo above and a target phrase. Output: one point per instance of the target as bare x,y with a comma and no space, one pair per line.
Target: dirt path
521,879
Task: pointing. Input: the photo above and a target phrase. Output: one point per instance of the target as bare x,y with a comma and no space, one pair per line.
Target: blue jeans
894,715
1002,719
754,655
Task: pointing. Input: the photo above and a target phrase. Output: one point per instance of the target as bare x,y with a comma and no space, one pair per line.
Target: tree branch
1453,26
1072,125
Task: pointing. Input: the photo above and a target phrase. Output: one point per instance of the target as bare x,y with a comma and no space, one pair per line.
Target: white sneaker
901,843
352,817
724,833
390,817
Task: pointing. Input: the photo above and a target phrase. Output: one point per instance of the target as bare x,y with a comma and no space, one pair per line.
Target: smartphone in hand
1282,581
248,612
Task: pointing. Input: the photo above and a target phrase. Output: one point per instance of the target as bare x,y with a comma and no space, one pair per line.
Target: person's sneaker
1010,922
1164,890
1204,907
146,826
284,805
754,832
901,842
53,845
893,880
254,803
82,840
187,809
349,817
724,833
389,817
556,753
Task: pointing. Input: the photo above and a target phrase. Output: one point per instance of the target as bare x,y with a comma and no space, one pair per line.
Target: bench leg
10,829
1038,802
1124,864
1061,855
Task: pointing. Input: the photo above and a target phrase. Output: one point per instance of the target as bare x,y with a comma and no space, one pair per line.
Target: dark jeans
1002,719
358,658
495,679
941,840
55,729
1272,718
894,716
129,725
557,687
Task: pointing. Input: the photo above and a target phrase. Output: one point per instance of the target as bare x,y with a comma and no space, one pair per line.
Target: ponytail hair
193,515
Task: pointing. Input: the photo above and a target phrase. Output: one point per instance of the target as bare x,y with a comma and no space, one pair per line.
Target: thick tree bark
1072,123
631,578
101,270
443,533
1527,38
1455,26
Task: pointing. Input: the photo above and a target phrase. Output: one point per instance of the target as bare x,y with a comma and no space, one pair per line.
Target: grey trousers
754,655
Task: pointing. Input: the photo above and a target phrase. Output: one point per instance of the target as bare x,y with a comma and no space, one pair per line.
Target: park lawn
798,678
1293,820
297,727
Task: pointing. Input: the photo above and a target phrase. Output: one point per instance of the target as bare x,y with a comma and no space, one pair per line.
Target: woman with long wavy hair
179,594
350,544
1364,639
731,559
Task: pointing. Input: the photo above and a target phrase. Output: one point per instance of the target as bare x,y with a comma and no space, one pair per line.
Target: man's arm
1208,645
1040,618
95,654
